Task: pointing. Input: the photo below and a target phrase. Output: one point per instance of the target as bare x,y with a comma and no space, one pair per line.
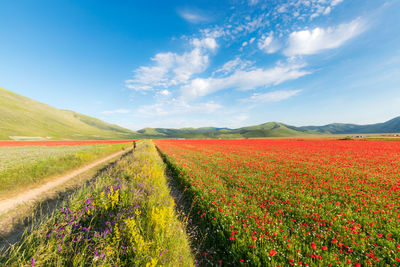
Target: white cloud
327,10
274,96
207,43
241,117
234,64
268,44
242,80
145,78
193,16
178,107
214,32
254,24
116,111
164,92
253,2
282,9
336,2
173,68
310,42
310,9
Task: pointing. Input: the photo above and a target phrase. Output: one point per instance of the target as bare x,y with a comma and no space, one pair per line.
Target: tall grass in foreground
22,166
125,218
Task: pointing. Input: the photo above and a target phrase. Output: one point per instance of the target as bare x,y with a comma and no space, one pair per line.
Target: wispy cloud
178,80
193,15
116,111
308,42
241,117
243,80
164,92
178,107
172,68
274,96
233,65
268,43
307,9
253,2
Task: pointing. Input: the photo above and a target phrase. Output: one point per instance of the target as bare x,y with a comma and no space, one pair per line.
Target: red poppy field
292,202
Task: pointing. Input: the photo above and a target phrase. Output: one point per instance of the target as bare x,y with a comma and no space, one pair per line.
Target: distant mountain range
24,118
273,129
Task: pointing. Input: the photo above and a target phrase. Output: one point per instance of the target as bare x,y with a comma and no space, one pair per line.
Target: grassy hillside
391,126
22,117
272,129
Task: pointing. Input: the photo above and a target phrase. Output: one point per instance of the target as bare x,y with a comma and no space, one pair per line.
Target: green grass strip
23,166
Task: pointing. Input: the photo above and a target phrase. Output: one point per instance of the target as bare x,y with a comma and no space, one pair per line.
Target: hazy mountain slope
273,129
270,129
391,126
22,116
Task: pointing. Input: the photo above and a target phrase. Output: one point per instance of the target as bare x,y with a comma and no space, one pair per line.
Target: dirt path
32,194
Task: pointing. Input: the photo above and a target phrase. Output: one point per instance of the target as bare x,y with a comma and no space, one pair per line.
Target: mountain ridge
23,117
274,129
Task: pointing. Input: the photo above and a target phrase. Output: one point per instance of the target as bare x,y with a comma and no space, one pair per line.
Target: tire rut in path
183,207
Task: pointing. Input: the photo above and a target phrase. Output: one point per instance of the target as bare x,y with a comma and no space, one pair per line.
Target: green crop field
23,166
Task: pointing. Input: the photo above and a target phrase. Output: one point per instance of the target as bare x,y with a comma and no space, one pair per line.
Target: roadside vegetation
23,166
126,217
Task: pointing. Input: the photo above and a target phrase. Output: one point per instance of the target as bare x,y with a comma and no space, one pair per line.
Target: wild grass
24,166
125,218
22,116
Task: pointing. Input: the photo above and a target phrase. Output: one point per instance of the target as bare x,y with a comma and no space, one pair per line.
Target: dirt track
32,194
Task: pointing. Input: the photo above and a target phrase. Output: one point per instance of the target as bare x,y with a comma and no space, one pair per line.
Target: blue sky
206,63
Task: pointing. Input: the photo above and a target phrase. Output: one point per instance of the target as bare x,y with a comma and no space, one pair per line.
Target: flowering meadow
125,217
292,202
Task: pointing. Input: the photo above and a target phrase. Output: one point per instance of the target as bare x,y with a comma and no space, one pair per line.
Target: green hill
25,118
391,126
272,129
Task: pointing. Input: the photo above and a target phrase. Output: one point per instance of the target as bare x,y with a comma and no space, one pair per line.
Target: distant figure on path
134,145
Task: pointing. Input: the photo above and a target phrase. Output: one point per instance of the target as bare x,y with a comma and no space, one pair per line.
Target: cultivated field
247,202
125,217
23,165
288,202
